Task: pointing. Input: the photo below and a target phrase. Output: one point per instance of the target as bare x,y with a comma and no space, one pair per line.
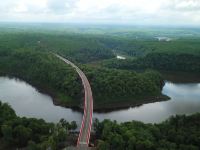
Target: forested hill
26,53
111,87
177,133
86,45
158,61
44,71
93,44
31,133
75,47
114,88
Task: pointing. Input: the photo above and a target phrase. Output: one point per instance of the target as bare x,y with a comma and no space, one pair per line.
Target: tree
22,135
116,142
73,125
132,143
102,145
7,133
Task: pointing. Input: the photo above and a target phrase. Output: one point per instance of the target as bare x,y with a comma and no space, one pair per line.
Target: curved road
84,134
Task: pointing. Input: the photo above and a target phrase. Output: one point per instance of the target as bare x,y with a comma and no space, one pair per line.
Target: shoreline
77,104
120,105
109,107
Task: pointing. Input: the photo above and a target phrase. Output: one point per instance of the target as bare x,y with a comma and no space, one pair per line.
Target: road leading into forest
84,134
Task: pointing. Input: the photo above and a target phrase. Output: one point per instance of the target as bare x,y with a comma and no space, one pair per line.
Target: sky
145,12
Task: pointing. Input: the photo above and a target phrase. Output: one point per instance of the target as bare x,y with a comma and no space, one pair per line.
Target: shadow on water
181,77
28,101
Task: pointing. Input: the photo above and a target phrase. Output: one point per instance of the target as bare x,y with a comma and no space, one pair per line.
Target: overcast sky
147,12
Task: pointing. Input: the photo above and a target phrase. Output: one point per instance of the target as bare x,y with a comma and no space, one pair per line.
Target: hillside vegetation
75,47
176,133
158,61
114,88
44,71
25,52
34,134
109,86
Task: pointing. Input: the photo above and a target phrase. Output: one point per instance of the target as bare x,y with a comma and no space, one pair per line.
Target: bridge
86,125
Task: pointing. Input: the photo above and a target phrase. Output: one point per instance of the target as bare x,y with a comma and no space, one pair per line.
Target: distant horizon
103,24
122,12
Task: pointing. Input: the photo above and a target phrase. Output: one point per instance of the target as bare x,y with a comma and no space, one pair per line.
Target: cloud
110,11
61,6
187,5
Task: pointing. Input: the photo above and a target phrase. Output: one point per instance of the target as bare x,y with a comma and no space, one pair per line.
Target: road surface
84,134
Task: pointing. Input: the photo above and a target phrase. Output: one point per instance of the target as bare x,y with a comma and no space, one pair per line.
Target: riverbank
181,77
179,132
78,105
38,136
32,133
127,103
27,101
115,105
52,76
120,103
59,99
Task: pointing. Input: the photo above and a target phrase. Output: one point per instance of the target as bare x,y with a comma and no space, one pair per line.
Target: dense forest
114,88
142,47
55,77
75,47
44,71
34,134
25,52
158,61
87,44
176,133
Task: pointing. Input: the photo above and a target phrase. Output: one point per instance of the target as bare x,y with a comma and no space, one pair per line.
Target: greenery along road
176,133
84,135
112,88
31,133
24,53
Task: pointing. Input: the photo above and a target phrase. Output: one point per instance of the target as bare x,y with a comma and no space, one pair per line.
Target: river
28,101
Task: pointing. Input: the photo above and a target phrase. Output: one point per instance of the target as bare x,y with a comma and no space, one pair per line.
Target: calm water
185,99
27,101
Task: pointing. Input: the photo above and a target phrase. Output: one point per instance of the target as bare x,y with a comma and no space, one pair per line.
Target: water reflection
185,99
27,101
